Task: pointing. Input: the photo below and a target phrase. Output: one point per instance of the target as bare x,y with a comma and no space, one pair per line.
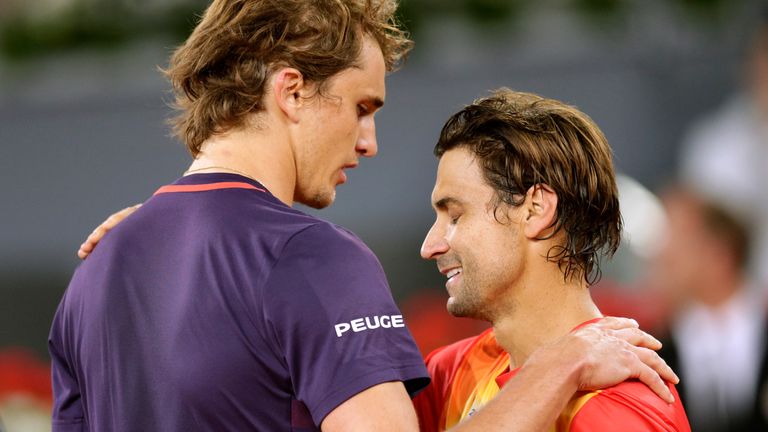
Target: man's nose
366,142
434,243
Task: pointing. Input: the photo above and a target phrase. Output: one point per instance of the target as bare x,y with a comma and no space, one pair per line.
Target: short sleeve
329,307
68,414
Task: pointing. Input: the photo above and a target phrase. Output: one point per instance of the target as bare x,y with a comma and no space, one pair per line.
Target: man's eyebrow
443,203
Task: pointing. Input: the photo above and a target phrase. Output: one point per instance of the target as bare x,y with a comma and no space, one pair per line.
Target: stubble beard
321,201
318,199
467,302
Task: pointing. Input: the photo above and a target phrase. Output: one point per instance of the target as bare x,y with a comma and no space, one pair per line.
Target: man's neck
545,309
255,153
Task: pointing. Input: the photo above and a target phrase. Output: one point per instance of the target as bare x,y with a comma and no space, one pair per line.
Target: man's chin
463,309
319,200
456,308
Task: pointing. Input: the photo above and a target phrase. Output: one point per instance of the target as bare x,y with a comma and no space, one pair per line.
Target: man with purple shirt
217,306
203,320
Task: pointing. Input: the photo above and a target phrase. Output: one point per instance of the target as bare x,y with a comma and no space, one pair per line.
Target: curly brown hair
521,140
219,74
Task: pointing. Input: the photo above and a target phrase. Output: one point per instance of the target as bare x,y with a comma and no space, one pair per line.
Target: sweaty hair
522,140
219,74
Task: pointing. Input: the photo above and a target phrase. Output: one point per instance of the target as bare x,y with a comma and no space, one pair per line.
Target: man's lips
342,174
451,272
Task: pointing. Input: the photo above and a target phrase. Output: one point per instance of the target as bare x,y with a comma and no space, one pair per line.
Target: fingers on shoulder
616,323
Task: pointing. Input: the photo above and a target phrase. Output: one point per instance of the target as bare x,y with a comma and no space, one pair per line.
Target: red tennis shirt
469,373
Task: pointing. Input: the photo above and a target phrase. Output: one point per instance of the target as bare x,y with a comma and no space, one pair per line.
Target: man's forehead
457,176
457,164
371,70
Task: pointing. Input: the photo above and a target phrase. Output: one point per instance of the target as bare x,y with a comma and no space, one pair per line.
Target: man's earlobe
541,203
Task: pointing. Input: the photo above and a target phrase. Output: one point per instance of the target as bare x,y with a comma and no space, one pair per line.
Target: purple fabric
224,310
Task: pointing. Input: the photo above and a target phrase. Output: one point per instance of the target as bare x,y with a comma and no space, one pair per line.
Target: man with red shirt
526,204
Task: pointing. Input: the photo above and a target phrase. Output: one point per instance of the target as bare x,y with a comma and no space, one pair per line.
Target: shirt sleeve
68,414
328,305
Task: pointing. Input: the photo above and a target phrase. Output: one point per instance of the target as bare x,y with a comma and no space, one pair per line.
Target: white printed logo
369,323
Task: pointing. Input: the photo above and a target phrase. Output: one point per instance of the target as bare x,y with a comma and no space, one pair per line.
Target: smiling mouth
453,273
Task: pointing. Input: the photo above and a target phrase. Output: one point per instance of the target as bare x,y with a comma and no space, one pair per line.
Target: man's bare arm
385,407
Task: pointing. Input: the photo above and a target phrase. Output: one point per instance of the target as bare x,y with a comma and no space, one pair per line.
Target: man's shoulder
640,395
325,240
631,403
326,258
237,211
312,228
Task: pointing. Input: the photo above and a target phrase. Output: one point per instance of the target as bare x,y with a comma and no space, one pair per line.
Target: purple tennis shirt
217,307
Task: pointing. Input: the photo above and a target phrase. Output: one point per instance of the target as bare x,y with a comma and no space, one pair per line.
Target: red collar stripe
207,187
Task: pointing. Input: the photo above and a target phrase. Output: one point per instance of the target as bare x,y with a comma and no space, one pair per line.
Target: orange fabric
455,370
468,373
207,187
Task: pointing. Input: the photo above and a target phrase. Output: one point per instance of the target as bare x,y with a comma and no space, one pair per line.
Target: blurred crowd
711,271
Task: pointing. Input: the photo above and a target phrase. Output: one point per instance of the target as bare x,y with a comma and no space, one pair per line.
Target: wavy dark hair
522,140
220,72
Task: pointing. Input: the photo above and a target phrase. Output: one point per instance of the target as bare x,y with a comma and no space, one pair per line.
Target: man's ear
288,89
541,209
